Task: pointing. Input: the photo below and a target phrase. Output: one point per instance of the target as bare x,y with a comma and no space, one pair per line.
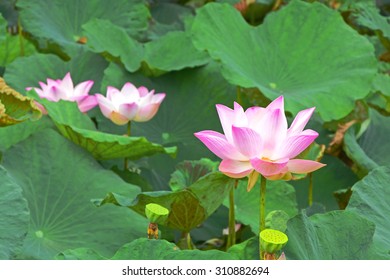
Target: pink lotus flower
56,90
258,141
129,104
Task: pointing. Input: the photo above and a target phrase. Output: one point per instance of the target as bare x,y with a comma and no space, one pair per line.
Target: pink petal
296,144
269,168
254,116
218,144
129,90
82,88
105,105
234,168
158,98
143,91
110,91
300,121
146,113
87,103
226,117
302,166
278,103
229,117
67,85
128,110
273,131
247,141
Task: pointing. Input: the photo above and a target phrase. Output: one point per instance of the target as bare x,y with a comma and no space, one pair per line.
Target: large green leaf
187,207
305,52
368,15
13,134
62,21
14,107
104,36
58,180
336,235
28,71
279,196
80,130
144,249
370,199
189,171
370,150
174,51
14,216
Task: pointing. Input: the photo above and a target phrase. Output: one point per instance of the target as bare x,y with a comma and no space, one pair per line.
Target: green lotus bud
272,240
156,213
277,219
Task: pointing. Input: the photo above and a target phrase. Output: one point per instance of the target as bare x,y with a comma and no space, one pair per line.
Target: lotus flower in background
258,141
129,104
56,90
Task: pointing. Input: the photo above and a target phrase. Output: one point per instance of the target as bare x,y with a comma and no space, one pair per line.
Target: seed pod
156,213
272,240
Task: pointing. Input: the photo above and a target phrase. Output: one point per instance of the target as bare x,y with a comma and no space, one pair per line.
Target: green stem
126,162
189,241
20,35
310,189
232,219
262,211
238,95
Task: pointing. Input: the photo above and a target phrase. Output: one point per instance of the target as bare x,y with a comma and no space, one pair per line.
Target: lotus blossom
258,141
129,104
56,90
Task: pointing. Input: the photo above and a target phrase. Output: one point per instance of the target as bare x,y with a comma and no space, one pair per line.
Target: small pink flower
56,90
258,141
129,104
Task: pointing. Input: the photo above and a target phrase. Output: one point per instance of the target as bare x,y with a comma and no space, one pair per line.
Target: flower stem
262,211
310,189
126,162
232,219
189,241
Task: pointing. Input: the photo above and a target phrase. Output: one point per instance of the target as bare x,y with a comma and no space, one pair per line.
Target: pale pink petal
130,91
226,117
247,141
87,103
105,105
296,144
41,107
269,168
82,89
240,118
273,131
300,121
278,103
143,91
254,116
66,85
229,117
158,98
218,144
235,169
147,112
302,166
128,110
54,94
145,100
110,91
